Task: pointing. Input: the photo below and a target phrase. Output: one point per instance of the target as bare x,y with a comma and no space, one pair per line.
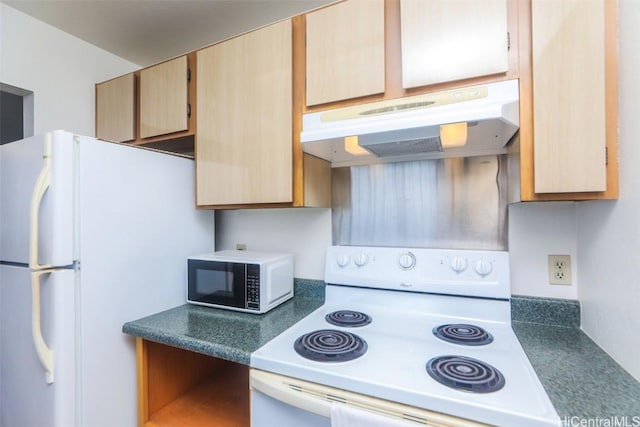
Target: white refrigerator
92,234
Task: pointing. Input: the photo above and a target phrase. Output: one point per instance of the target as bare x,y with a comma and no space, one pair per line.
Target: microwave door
217,283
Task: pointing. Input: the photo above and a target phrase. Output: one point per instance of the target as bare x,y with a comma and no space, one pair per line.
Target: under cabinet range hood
463,122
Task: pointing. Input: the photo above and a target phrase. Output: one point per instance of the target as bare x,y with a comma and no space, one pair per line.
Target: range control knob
343,260
361,259
459,264
407,260
483,268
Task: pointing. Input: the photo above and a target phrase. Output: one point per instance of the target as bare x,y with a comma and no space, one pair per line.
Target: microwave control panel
253,286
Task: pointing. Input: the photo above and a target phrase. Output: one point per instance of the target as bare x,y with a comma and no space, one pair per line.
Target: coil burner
348,318
464,334
329,345
465,373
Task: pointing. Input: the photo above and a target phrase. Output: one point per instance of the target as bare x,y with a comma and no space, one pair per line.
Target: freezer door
24,168
27,399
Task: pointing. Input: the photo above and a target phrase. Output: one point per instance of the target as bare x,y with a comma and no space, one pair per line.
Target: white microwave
249,281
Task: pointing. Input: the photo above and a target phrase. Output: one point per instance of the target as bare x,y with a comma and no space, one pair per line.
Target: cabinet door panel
115,109
569,92
163,98
451,40
244,139
345,51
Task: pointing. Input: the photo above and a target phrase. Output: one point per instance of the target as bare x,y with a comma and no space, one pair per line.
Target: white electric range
418,335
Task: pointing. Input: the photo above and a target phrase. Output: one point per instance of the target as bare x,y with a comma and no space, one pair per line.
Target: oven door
284,401
217,283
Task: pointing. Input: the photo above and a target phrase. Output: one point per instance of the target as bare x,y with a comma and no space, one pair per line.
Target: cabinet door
244,138
115,109
163,98
445,40
568,54
345,51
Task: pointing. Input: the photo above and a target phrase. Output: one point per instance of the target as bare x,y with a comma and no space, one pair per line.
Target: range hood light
453,135
351,146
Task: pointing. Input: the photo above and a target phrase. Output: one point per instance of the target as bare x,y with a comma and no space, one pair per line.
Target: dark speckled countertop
586,386
583,382
225,334
579,377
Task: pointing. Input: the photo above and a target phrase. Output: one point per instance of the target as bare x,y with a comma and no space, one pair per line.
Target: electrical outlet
241,247
560,269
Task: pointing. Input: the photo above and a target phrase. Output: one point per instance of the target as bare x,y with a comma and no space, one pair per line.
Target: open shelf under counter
180,388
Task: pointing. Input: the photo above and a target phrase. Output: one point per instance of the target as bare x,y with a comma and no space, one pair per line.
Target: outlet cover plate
560,269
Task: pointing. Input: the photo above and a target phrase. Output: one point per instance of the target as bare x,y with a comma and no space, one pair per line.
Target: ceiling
149,31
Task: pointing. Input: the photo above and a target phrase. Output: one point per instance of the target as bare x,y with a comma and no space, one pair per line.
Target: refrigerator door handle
41,187
45,354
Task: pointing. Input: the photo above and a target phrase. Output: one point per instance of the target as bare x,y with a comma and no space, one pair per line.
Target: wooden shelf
222,401
179,388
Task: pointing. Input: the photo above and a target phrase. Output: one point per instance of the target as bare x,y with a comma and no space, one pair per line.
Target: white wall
537,230
59,68
608,233
304,231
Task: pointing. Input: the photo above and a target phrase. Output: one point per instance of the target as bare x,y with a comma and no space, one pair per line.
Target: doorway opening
16,113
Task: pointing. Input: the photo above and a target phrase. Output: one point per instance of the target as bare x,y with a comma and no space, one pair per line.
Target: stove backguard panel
453,203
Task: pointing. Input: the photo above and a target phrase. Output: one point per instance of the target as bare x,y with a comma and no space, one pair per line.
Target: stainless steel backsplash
456,203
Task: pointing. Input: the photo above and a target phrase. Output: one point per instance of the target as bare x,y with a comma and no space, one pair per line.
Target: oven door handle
318,399
289,391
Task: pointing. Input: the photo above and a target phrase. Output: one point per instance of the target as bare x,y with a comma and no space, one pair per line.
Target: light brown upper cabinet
445,41
164,98
150,107
244,141
243,138
345,51
368,50
115,109
248,151
570,150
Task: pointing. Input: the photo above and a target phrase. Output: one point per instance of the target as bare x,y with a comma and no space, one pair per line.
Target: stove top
448,353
